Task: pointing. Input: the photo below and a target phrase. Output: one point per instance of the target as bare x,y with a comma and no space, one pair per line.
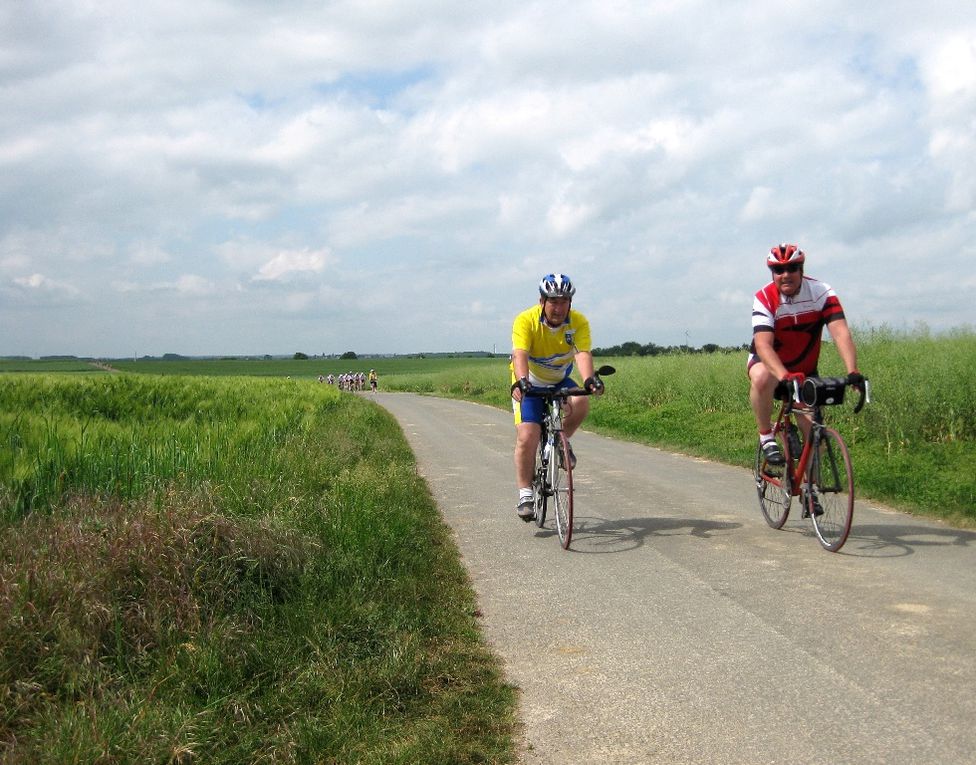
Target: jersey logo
569,336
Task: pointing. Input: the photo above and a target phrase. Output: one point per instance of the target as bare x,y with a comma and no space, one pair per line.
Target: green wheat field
227,561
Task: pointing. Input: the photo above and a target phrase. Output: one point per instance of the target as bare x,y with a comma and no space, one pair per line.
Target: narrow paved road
680,628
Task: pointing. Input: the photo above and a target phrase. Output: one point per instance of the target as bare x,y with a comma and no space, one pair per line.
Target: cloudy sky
272,176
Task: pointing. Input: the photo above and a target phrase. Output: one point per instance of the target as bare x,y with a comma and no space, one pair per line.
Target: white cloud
565,217
950,68
42,283
185,285
285,264
278,159
148,254
194,285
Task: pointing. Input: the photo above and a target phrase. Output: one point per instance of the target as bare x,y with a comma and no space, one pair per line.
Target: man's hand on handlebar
860,383
594,385
787,387
520,387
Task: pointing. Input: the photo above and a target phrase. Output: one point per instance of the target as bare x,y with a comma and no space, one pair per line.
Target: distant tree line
633,348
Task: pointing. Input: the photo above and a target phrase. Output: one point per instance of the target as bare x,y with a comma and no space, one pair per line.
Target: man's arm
840,333
520,363
520,366
584,362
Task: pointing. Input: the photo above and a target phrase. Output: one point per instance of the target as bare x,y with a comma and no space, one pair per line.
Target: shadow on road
602,535
896,540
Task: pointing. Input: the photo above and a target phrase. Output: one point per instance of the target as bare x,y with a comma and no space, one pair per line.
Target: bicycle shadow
895,540
594,535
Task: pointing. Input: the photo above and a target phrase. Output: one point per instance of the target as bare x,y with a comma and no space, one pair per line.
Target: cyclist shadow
899,540
603,535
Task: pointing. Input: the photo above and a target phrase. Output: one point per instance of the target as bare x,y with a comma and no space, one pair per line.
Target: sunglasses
789,268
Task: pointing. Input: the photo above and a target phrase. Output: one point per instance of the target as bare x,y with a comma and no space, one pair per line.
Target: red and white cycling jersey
796,322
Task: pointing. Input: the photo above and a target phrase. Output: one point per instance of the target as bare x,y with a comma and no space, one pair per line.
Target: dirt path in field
680,628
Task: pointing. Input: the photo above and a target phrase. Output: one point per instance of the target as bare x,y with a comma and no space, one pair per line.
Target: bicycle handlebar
865,396
864,392
546,391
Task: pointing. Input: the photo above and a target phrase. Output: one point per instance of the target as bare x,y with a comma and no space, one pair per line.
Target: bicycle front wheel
541,486
773,486
830,490
561,484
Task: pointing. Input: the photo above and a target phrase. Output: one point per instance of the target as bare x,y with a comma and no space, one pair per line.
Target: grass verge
313,610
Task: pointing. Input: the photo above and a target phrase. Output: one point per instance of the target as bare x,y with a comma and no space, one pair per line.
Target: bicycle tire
541,498
831,482
773,486
561,480
542,488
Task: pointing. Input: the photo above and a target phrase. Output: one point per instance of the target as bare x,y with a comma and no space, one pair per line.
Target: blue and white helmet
556,286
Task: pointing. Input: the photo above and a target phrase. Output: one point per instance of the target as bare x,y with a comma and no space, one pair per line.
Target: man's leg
526,444
761,387
574,413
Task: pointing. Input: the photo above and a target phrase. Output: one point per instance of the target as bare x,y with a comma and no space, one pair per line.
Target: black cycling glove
593,384
784,390
522,384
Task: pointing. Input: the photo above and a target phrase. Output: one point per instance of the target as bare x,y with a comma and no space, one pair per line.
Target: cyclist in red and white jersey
788,317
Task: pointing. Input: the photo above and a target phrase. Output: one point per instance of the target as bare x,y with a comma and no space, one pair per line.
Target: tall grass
913,447
256,573
125,435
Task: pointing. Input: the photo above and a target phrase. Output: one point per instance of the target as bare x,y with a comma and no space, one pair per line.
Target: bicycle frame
554,473
797,465
821,474
814,414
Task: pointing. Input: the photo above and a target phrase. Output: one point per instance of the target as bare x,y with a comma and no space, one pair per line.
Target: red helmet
784,253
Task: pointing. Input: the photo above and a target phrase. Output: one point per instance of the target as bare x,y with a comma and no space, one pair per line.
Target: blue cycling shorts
531,409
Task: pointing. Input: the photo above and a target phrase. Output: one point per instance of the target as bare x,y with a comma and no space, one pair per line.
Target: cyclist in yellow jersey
548,340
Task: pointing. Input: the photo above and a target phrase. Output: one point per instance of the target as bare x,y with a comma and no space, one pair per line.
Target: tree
299,356
349,355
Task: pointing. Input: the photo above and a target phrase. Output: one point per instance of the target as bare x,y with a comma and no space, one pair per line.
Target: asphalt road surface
680,628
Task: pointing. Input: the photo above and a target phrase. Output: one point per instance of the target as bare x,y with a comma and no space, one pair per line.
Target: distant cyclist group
352,381
551,340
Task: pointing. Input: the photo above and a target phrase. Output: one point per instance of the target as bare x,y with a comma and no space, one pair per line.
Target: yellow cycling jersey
551,350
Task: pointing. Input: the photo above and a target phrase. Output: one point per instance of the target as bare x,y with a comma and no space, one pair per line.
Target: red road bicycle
553,478
818,471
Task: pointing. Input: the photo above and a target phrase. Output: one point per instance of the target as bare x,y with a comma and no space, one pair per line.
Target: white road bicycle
553,480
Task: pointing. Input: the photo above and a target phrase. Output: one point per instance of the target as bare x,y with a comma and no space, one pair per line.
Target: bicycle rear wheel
830,490
561,481
773,486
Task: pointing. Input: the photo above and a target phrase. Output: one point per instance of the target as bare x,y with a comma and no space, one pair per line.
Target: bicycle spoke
830,490
774,488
